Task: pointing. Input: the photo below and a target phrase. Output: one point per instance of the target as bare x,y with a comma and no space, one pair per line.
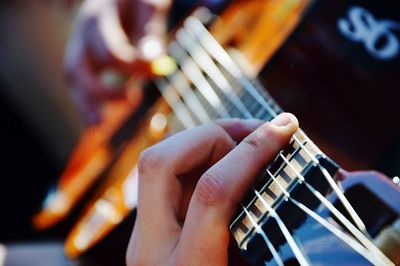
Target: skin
111,34
190,185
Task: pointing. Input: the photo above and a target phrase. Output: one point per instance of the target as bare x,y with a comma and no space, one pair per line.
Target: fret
271,192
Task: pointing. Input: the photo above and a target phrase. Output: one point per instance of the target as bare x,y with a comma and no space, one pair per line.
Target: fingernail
282,120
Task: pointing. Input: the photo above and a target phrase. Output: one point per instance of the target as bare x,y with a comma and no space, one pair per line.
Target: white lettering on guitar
361,26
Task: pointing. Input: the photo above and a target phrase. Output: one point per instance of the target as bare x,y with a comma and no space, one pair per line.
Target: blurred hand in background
117,35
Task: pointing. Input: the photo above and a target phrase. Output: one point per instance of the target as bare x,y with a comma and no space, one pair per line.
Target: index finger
161,166
224,184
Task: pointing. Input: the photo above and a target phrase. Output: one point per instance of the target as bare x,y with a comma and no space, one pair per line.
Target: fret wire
264,187
280,169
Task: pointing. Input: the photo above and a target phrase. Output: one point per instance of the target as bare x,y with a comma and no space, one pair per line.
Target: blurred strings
192,50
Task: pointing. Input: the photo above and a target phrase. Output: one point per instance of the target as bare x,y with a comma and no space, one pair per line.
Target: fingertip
287,121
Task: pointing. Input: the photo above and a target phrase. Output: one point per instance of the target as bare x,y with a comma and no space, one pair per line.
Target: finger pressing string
222,186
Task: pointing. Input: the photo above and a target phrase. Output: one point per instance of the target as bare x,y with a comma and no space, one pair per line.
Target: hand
102,40
190,184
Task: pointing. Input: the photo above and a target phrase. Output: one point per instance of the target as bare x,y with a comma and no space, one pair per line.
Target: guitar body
313,70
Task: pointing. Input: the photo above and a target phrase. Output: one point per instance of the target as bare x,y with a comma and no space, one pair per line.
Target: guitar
301,178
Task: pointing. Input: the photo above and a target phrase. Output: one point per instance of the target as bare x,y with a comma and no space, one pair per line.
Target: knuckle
148,161
209,190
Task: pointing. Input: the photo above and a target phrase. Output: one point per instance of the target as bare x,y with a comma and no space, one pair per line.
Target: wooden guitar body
292,46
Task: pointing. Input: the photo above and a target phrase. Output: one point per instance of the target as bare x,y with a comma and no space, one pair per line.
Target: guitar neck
210,85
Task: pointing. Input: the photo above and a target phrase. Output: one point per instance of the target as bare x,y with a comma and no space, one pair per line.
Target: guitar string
260,231
358,234
336,231
301,258
173,100
213,47
201,57
193,73
180,84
